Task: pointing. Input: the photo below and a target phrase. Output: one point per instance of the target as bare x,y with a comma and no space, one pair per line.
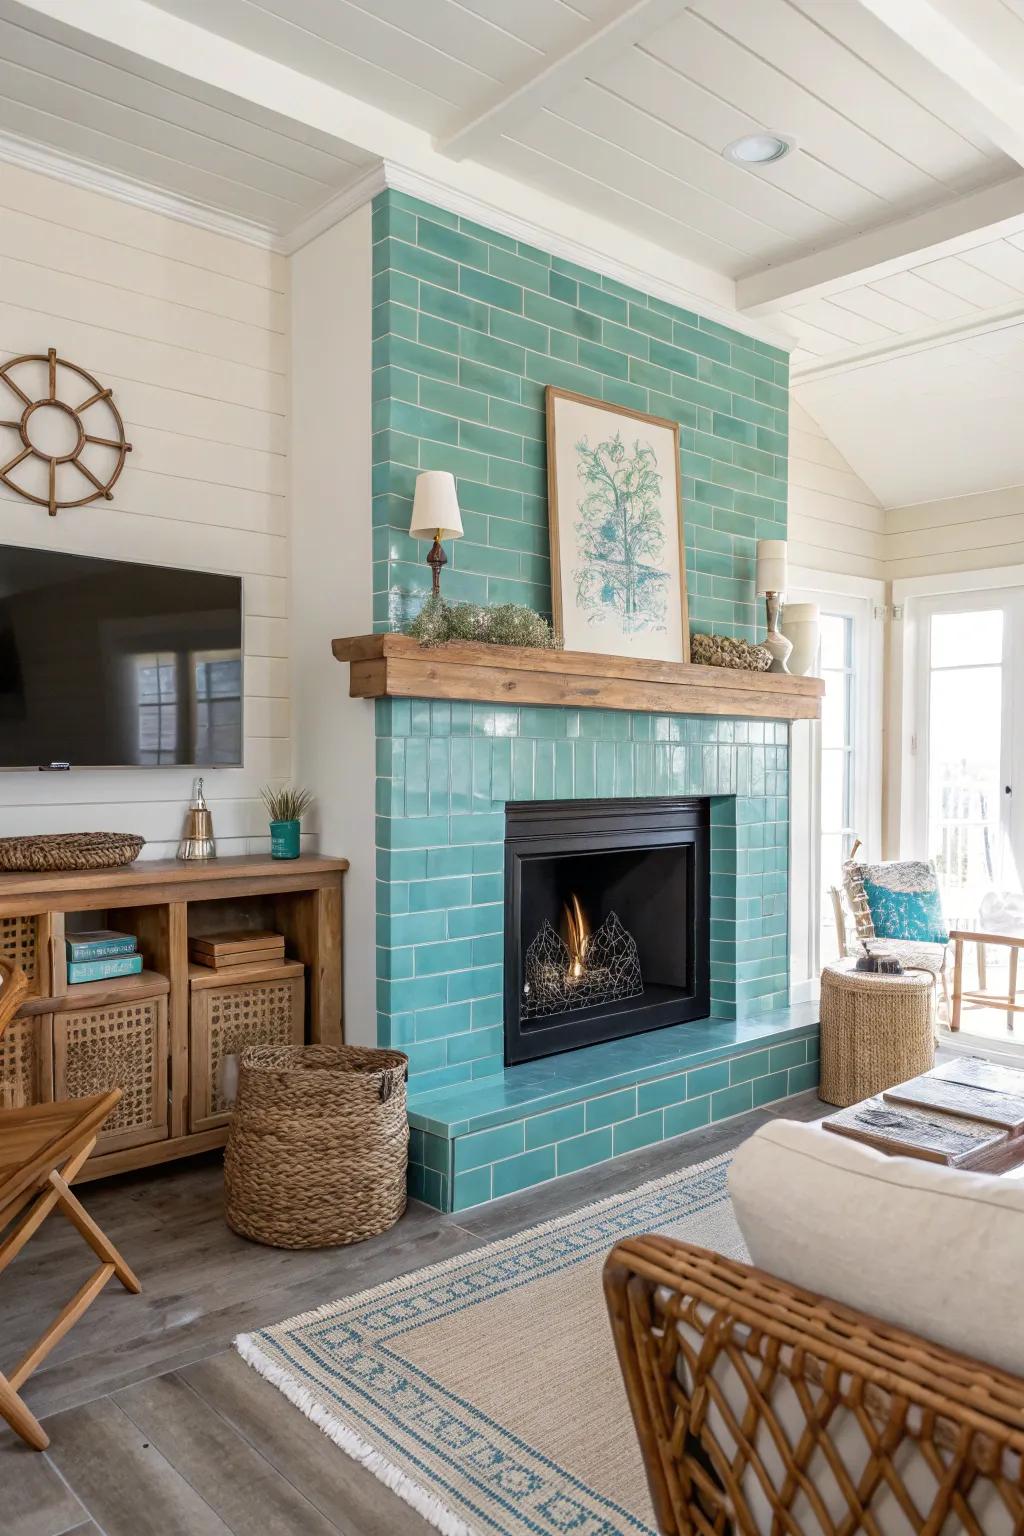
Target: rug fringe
437,1514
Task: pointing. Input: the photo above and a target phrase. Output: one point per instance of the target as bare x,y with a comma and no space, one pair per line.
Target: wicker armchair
763,1410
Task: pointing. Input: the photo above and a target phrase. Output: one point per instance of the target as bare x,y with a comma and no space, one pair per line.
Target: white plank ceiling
893,232
632,130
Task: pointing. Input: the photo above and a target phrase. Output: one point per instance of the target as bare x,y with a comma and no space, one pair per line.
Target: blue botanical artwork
620,535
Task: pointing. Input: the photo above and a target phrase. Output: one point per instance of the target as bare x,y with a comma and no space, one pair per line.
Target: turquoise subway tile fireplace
469,326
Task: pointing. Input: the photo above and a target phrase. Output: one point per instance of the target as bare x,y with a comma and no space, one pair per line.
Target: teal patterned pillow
904,900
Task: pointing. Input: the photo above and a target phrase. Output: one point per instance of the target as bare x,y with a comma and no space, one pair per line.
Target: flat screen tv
107,663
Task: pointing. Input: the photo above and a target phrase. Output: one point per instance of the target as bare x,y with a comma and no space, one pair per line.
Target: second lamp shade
435,507
771,566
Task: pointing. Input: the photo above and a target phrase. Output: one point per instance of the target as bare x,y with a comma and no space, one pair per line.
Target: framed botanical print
618,565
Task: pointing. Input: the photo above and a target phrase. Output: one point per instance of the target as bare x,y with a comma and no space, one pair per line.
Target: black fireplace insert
606,920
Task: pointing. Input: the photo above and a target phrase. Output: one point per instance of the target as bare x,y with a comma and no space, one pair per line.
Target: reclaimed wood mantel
398,667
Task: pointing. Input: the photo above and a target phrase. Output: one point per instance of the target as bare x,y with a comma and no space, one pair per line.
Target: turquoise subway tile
487,888
494,291
520,270
629,1135
681,1118
418,993
414,928
522,1172
743,1068
445,956
487,1011
664,1090
472,922
601,303
774,1086
481,981
584,1151
704,1080
474,1045
731,1101
488,381
446,241
793,1054
452,891
611,1107
439,1023
471,1188
481,1147
557,1125
802,1078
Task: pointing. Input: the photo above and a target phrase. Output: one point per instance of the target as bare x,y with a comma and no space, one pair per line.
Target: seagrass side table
876,1030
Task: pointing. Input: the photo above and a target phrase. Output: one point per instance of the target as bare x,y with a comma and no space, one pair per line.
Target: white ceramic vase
800,624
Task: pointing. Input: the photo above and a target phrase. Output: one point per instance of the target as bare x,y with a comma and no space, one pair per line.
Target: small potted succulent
286,807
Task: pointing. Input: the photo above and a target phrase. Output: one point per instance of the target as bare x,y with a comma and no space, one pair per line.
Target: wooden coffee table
968,1113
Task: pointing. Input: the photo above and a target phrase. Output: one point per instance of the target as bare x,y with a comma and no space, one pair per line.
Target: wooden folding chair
42,1149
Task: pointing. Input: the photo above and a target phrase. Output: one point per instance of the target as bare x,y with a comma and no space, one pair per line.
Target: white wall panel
188,329
835,522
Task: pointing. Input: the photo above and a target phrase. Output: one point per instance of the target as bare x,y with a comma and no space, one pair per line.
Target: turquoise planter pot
284,839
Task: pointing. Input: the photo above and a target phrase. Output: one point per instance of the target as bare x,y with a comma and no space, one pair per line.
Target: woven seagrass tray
69,850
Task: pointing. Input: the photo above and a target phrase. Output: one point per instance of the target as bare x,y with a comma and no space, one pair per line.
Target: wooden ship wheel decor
59,447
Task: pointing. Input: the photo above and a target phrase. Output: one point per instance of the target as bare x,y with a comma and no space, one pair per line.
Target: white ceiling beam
953,227
557,74
953,40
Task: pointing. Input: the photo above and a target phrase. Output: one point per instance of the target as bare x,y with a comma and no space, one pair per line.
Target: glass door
966,757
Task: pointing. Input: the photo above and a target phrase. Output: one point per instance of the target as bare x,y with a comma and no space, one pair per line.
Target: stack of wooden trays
968,1113
236,947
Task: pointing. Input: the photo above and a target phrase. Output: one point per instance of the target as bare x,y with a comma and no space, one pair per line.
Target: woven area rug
485,1391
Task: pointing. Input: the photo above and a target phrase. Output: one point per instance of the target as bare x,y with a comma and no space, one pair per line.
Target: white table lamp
436,516
771,585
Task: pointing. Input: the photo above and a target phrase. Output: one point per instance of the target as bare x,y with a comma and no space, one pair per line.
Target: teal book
102,970
99,944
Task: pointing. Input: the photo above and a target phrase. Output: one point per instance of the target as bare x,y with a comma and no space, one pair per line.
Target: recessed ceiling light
758,148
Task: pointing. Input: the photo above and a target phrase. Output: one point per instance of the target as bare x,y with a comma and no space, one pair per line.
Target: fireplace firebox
606,920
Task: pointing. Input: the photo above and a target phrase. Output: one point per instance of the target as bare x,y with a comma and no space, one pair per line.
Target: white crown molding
140,194
337,207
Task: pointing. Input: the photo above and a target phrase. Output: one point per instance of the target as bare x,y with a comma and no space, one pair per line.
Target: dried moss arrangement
724,651
439,622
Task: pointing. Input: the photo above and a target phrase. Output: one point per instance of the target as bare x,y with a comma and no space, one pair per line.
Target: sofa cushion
935,1250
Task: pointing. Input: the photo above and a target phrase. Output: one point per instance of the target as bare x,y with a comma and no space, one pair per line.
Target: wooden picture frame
617,607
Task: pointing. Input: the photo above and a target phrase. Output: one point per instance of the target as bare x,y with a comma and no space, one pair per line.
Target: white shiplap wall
189,330
961,533
836,523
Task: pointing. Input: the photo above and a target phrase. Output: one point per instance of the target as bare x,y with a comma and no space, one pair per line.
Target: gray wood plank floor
157,1428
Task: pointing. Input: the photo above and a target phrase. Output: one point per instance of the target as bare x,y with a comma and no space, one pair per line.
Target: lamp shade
771,566
435,506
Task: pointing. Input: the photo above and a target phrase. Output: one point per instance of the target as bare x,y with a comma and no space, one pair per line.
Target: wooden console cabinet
159,1034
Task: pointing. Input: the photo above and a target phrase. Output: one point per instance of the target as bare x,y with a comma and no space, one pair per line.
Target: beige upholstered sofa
895,1407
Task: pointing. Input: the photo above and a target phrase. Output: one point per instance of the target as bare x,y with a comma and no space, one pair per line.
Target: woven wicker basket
318,1145
876,1031
69,850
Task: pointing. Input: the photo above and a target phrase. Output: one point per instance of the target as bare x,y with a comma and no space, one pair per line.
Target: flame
577,935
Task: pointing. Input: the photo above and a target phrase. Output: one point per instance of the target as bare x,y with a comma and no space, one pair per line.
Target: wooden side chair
42,1150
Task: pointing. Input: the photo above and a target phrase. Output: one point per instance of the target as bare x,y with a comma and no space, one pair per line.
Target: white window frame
861,599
